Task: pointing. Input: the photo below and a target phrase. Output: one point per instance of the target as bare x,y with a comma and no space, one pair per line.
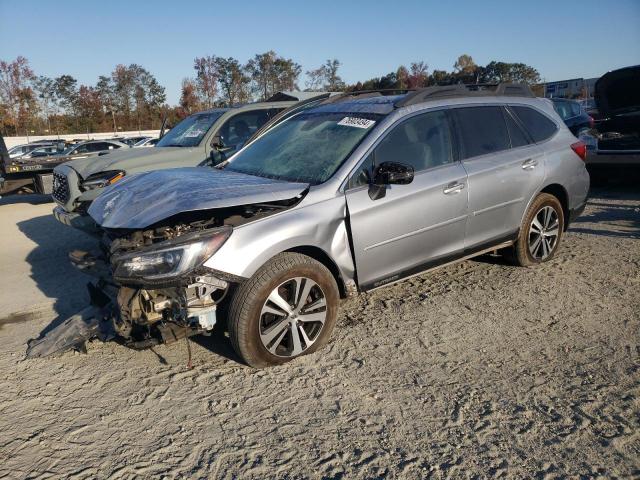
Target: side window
237,130
482,130
423,141
563,109
80,149
539,126
96,147
517,136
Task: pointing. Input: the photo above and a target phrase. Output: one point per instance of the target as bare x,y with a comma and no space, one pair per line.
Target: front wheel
287,309
540,232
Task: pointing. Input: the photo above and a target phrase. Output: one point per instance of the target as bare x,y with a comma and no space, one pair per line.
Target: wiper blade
171,145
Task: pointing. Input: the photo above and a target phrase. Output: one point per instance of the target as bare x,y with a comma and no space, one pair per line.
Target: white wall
13,141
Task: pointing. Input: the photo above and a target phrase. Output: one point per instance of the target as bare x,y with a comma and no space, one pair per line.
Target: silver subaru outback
351,195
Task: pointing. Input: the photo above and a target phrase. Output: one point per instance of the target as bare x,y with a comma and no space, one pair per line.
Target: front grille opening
60,188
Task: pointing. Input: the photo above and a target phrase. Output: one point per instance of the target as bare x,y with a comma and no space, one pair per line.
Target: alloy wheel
292,317
544,232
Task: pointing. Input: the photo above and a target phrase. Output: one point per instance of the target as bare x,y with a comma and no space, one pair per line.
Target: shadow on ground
31,198
612,216
50,268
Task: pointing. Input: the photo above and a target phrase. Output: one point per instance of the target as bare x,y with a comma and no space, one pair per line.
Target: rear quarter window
540,127
482,130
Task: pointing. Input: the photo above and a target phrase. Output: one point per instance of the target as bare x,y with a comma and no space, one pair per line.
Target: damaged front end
159,228
150,286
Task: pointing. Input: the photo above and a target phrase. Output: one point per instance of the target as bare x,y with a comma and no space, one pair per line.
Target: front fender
319,225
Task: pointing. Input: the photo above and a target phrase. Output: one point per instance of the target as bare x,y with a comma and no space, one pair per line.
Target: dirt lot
477,370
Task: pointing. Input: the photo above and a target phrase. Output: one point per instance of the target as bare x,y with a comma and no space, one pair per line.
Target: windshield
190,131
309,147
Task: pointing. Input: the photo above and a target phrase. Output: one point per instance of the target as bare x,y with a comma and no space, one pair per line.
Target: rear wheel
287,309
540,232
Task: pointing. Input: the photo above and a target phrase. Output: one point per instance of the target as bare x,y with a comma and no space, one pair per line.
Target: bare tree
271,73
16,95
189,100
326,77
233,80
207,78
418,76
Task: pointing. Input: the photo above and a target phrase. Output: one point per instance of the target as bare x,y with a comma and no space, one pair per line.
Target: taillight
581,150
592,122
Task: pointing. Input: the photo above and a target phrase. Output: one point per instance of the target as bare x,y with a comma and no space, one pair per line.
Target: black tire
245,321
521,252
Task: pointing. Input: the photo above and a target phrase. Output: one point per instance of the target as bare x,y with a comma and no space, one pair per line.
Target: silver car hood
144,199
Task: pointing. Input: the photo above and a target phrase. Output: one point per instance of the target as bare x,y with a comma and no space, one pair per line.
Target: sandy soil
478,370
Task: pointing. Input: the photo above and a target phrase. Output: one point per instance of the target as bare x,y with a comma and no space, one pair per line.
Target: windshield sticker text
193,133
356,122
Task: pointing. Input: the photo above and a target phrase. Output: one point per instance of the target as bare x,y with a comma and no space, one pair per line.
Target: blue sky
561,38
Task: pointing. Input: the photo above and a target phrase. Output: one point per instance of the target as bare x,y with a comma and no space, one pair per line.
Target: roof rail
466,90
367,93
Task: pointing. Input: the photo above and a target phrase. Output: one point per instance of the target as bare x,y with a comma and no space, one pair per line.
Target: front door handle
453,187
529,164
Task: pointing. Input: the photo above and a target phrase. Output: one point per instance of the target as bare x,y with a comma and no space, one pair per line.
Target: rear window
539,126
482,130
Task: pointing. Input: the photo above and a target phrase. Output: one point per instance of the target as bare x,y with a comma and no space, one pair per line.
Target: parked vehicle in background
590,107
148,142
616,146
204,138
35,172
92,148
573,115
46,150
326,203
131,141
4,159
20,150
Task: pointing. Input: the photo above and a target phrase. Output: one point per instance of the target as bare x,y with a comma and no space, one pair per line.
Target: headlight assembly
102,179
172,258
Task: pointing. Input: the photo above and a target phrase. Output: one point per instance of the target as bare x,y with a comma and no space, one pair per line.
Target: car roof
383,104
250,106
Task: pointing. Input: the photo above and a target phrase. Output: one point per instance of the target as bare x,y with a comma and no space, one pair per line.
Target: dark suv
573,115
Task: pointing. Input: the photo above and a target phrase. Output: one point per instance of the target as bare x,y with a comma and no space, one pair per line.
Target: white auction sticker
356,122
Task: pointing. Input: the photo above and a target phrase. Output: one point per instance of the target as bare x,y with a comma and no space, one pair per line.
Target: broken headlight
172,258
102,179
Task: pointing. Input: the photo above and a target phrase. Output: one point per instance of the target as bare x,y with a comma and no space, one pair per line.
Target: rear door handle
453,187
529,164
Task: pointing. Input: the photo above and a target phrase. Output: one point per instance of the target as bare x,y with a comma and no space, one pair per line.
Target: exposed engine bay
150,286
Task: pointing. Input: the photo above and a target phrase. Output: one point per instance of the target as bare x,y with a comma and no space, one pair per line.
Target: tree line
130,97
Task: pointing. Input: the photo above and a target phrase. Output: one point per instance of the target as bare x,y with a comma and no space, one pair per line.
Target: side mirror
393,173
389,173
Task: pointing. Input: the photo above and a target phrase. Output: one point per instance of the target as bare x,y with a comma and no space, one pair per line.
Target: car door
416,225
503,169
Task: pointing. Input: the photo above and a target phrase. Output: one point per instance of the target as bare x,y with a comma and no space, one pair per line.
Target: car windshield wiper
171,145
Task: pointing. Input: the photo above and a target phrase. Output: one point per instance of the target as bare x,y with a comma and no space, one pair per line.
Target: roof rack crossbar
466,90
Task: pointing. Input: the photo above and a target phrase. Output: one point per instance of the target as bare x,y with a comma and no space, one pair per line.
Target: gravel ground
477,370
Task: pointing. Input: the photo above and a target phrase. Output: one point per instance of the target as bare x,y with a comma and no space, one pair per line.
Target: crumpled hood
617,91
144,199
128,158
